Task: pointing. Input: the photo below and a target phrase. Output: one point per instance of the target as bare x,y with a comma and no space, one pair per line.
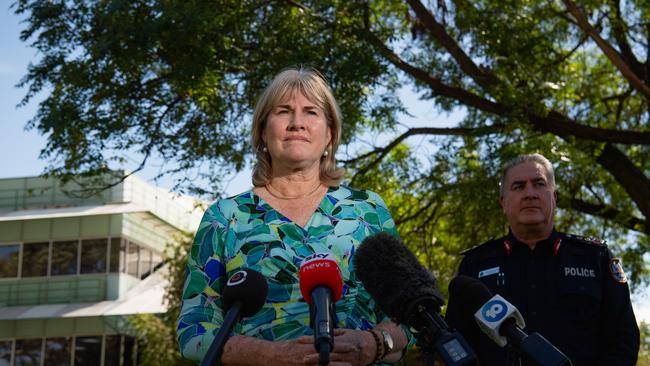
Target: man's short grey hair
535,158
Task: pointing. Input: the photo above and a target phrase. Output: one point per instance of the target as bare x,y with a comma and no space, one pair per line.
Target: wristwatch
388,343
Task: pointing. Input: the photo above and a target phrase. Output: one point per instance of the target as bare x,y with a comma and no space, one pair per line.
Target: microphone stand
513,358
452,348
213,356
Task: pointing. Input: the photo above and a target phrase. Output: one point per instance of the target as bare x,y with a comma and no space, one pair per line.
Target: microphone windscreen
320,269
469,293
248,287
393,276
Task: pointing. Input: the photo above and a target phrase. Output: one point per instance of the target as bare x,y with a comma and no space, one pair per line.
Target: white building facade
73,269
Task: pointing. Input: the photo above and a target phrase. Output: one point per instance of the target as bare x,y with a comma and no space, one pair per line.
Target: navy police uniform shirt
569,289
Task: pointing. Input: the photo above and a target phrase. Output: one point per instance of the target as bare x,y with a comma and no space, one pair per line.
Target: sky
20,148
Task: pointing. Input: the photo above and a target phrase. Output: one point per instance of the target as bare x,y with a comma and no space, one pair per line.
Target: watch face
388,342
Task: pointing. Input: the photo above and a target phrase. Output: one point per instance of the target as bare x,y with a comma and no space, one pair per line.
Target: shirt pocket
491,274
579,301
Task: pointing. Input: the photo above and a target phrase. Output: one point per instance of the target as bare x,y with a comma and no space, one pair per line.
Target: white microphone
502,322
491,316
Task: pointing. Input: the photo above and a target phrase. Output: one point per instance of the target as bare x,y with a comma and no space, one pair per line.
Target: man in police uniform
568,288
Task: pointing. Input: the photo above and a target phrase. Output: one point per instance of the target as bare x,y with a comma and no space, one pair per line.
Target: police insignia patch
616,270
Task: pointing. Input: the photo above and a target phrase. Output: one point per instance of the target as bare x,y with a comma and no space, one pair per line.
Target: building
73,269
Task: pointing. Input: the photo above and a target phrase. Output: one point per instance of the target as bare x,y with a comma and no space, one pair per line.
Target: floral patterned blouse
246,232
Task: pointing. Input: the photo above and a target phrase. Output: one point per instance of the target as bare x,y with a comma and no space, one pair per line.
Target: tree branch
554,122
381,152
608,50
618,30
604,212
631,178
418,213
87,191
437,86
647,59
438,32
563,126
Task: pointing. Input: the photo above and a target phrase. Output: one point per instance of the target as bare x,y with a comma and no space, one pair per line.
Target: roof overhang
59,212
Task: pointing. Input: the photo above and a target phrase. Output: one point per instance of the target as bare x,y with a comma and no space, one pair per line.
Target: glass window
118,252
132,259
5,352
57,351
28,352
113,350
87,351
156,260
93,256
35,259
145,262
9,261
64,258
130,351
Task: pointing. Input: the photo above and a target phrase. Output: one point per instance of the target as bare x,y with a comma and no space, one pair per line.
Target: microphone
407,292
502,322
243,296
321,285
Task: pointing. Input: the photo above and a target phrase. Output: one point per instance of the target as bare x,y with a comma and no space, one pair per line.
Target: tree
644,351
179,79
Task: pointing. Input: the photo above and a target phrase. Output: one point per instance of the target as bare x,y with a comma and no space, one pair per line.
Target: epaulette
466,251
587,240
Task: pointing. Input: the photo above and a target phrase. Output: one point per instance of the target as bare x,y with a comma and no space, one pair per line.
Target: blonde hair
312,85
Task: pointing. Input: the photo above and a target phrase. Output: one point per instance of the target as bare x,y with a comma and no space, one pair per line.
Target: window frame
123,255
20,259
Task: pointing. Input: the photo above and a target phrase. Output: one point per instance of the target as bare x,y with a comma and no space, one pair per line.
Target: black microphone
501,321
407,292
243,296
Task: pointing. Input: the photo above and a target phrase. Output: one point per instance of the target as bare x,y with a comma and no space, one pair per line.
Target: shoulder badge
507,246
616,270
556,246
587,240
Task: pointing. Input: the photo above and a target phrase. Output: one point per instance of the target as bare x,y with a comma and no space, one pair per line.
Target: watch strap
387,343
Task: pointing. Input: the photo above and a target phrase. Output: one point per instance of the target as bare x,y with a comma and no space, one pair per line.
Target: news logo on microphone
493,313
320,269
318,260
495,310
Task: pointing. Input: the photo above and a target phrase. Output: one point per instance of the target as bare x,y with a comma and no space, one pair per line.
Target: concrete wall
37,192
84,288
62,327
182,212
61,228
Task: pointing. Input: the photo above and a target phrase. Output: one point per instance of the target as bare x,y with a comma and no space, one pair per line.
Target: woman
295,209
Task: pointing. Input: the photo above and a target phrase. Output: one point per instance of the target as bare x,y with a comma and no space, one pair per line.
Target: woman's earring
325,153
265,149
